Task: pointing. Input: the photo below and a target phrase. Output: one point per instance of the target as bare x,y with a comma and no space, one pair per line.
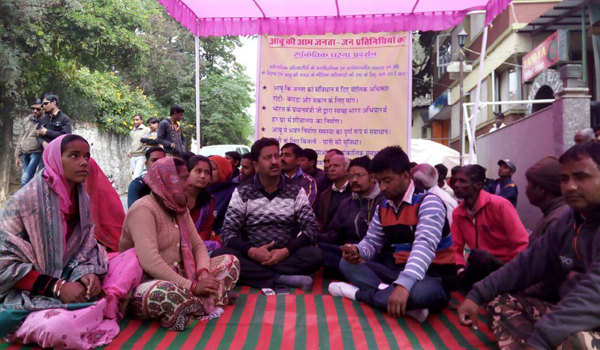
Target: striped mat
306,320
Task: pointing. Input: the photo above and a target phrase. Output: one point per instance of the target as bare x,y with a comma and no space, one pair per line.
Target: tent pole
197,52
472,143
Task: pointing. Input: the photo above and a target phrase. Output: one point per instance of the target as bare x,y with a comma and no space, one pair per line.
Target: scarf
225,168
164,182
107,217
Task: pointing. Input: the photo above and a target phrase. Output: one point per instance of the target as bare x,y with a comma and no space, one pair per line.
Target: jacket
570,250
55,127
222,194
137,148
329,202
552,212
308,184
352,219
497,228
506,190
167,135
27,140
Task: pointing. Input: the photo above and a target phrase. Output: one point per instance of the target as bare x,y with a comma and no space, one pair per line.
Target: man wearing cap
505,186
543,191
29,152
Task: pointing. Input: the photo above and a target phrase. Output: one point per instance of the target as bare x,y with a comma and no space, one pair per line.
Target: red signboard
542,57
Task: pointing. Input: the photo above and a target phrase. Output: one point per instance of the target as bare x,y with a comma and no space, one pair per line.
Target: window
444,53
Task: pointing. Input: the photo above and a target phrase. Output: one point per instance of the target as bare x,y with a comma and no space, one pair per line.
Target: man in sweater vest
570,251
270,226
407,253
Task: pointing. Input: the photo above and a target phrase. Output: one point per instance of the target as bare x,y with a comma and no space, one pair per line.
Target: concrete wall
524,142
108,149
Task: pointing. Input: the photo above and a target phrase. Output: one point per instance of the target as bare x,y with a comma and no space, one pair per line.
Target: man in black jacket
53,123
170,135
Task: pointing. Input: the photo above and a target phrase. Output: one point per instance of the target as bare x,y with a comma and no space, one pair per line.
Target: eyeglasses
357,176
45,103
36,109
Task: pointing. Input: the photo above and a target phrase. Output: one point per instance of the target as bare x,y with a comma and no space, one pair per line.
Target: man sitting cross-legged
570,249
401,263
352,219
270,226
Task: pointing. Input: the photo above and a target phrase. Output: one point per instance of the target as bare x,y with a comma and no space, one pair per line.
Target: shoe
343,289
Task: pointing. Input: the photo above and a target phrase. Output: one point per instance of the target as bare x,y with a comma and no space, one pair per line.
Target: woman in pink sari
181,280
57,287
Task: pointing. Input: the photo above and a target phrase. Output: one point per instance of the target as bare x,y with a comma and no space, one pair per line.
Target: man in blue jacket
570,250
505,186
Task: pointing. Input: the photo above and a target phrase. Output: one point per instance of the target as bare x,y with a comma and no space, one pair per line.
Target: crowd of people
395,235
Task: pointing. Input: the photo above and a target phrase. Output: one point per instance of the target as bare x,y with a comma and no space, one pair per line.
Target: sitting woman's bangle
57,287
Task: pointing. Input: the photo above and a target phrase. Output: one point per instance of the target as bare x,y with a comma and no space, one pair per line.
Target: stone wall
109,149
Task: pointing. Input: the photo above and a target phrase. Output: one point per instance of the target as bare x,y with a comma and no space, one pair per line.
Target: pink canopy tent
316,17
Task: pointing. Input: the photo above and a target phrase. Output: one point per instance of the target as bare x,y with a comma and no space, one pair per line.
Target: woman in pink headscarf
182,281
57,288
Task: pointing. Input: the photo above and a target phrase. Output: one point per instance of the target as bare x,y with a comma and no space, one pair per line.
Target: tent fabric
316,17
433,153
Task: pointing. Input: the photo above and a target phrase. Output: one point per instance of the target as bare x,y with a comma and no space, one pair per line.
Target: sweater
329,201
154,234
255,217
552,211
222,194
497,228
570,250
27,143
137,148
307,183
416,233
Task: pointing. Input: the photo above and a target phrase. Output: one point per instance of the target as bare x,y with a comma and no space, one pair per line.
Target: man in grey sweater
570,249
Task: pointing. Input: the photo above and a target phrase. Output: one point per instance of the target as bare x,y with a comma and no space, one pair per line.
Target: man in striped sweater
401,263
270,226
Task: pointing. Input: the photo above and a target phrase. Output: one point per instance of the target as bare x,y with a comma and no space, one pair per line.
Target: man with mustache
401,264
291,157
571,250
330,199
354,214
270,226
487,223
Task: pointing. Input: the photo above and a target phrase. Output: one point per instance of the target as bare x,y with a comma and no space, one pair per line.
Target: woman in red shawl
182,281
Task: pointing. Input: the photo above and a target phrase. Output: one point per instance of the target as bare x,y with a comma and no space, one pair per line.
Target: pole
473,144
197,51
584,47
461,122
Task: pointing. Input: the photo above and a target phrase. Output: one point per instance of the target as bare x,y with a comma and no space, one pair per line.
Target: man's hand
72,292
93,285
397,302
350,254
261,254
44,144
277,256
18,162
207,285
467,313
41,132
172,146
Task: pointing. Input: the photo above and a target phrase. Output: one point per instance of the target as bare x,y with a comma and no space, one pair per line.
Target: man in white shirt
498,121
425,177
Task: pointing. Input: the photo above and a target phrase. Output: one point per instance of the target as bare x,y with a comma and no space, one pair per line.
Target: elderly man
487,223
330,199
585,135
354,214
571,251
426,180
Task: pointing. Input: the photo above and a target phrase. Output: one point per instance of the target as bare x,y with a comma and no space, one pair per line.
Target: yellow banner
350,91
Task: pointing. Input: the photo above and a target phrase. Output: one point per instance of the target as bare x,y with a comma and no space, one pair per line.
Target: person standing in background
170,135
150,138
53,123
29,151
136,152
